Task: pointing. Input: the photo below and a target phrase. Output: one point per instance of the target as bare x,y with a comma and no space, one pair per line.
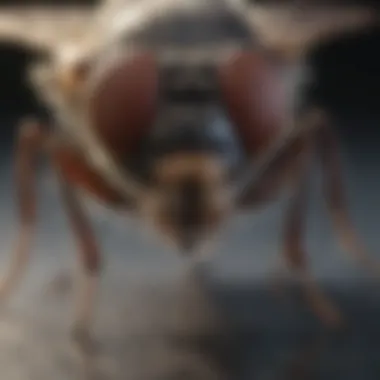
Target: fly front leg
31,141
90,267
291,165
335,195
294,251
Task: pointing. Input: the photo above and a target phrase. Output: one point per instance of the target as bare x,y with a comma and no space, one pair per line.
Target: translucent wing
282,27
42,27
292,30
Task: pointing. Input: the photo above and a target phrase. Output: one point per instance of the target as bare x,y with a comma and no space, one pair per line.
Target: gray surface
155,317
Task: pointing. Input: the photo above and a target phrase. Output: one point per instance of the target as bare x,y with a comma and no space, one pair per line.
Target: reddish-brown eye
254,98
123,103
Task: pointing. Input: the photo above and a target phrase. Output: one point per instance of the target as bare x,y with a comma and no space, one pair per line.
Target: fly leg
89,256
34,140
31,141
294,251
334,191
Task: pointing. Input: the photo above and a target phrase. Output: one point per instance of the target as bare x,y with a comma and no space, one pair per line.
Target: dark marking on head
188,129
188,211
201,28
183,83
189,199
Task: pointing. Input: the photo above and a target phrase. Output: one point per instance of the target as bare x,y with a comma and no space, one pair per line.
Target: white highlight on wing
42,27
287,28
292,30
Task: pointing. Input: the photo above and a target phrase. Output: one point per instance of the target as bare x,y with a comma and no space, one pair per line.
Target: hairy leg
322,139
31,140
334,190
89,256
293,249
34,140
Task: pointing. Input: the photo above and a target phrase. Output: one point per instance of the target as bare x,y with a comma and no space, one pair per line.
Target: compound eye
254,97
123,103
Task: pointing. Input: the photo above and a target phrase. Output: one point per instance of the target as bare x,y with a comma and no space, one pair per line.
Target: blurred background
158,321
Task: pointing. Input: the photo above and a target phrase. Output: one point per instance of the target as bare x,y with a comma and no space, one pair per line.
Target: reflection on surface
161,331
192,327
